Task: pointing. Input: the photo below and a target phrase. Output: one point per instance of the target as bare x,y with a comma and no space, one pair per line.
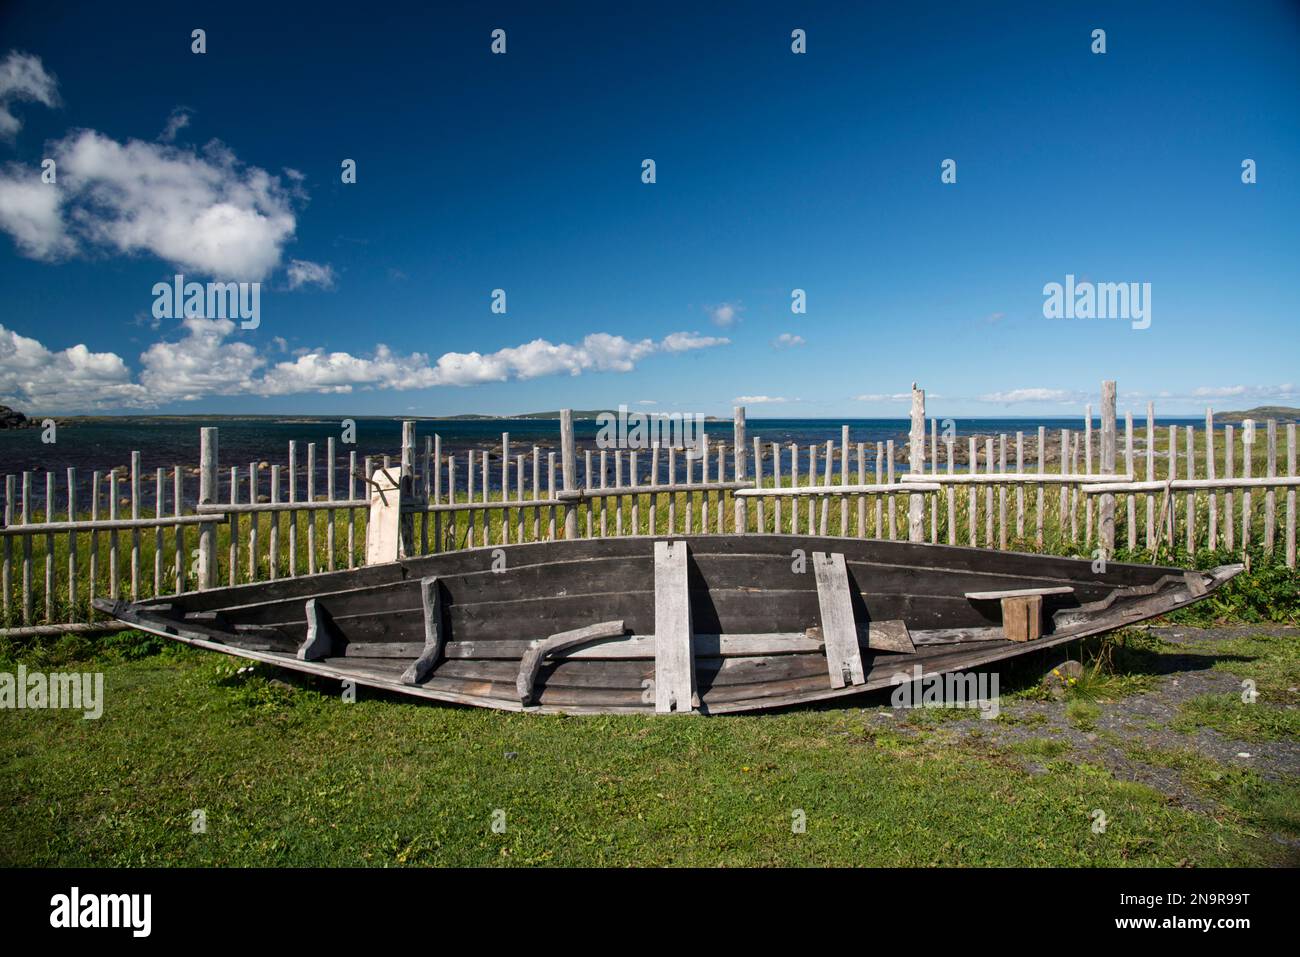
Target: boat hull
755,616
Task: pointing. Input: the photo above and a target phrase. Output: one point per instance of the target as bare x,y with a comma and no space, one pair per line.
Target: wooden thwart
1022,609
843,659
674,681
531,663
434,634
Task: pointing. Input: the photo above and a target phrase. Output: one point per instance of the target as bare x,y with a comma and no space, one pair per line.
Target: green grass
291,775
1248,721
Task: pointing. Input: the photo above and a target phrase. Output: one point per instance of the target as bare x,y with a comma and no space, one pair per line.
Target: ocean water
104,444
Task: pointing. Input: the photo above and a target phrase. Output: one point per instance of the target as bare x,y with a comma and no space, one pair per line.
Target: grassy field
292,774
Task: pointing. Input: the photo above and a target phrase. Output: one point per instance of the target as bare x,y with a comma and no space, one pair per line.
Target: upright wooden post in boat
406,543
916,466
207,496
738,461
569,472
674,681
383,531
1108,438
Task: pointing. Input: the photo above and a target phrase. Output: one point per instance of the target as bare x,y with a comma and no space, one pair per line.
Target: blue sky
775,171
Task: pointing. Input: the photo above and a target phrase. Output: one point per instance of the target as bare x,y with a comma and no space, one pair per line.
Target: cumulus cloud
203,212
32,376
303,272
31,212
207,361
23,77
787,340
725,314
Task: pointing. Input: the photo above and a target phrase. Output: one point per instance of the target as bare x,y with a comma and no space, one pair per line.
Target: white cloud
204,213
179,119
647,401
1034,395
31,212
787,340
884,397
685,341
23,77
303,272
33,377
725,314
207,361
1286,391
758,399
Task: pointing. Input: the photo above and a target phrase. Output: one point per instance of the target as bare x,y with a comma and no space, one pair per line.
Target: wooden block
1022,617
434,634
674,647
531,663
843,659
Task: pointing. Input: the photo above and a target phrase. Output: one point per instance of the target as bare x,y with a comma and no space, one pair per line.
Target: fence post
738,435
916,466
1108,439
207,496
406,542
569,472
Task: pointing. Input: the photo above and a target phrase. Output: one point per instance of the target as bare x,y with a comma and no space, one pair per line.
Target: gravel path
1141,719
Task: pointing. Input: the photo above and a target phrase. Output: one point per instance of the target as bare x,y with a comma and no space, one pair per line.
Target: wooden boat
712,624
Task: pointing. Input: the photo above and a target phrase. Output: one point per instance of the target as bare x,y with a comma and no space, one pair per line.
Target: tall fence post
738,430
207,496
1108,440
916,466
406,495
569,472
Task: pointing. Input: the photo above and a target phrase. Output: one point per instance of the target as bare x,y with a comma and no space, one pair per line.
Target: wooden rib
321,633
434,633
531,663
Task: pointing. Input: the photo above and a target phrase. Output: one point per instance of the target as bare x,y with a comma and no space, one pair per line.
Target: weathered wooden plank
434,634
674,681
843,659
1018,593
531,663
383,534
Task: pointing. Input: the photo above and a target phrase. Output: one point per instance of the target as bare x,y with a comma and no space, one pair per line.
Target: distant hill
1263,413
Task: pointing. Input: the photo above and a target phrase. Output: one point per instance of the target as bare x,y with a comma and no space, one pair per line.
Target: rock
13,419
1058,680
